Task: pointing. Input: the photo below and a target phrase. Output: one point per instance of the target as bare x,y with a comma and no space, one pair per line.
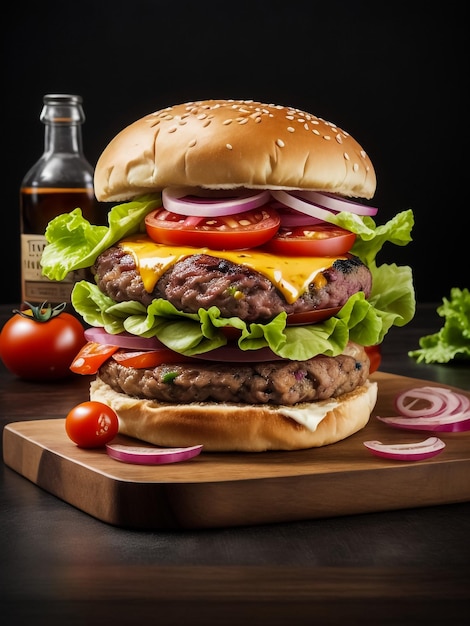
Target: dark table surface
61,566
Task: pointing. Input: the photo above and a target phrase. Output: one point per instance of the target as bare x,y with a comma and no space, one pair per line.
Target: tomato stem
42,313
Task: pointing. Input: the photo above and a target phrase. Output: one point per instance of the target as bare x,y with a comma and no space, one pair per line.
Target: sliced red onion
406,451
231,353
150,456
290,218
123,340
454,423
211,202
431,408
293,202
439,400
336,203
320,205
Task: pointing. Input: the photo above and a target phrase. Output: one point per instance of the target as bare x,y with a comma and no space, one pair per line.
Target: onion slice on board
150,456
212,202
431,408
449,424
406,451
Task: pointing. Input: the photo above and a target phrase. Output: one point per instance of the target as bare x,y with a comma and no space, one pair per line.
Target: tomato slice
311,317
231,232
321,239
91,357
375,357
149,358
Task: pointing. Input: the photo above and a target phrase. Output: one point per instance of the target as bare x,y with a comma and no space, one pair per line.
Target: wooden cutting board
233,489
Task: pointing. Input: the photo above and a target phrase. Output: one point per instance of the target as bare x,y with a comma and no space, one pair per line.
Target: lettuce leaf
452,341
74,243
196,333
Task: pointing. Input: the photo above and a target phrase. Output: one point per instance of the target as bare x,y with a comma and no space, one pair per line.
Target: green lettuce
453,339
73,243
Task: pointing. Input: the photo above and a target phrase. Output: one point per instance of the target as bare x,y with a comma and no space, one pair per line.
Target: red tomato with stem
40,343
321,239
225,232
91,424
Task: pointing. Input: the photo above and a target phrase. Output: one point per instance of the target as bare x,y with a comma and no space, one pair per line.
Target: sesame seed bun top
232,143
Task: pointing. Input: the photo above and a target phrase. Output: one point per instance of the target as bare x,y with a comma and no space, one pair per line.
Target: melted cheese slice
291,275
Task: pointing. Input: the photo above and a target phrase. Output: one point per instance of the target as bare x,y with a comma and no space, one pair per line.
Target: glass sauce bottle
60,181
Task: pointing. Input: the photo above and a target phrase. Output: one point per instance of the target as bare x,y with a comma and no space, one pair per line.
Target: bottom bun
224,427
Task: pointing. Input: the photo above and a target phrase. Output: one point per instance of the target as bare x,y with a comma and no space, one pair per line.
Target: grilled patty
204,281
275,382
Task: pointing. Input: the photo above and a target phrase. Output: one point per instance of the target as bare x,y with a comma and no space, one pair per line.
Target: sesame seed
202,116
346,156
315,131
192,143
258,119
280,143
291,129
339,138
226,122
306,126
363,154
206,123
327,137
355,167
172,129
229,146
243,120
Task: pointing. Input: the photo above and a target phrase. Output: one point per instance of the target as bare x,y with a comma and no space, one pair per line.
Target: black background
391,74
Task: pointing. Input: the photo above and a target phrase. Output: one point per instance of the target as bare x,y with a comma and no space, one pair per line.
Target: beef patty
203,281
275,382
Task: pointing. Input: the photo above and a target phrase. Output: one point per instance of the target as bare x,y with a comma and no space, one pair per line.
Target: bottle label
37,288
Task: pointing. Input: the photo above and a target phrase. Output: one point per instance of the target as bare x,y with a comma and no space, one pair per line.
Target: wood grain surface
234,489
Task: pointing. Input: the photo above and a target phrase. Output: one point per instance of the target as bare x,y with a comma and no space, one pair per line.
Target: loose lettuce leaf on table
453,339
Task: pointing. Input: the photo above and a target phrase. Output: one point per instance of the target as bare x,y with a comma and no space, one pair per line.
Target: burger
235,293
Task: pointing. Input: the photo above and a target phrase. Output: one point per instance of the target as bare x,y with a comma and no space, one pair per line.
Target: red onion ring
290,218
336,203
444,410
406,451
141,455
449,424
320,205
293,202
123,340
231,353
210,203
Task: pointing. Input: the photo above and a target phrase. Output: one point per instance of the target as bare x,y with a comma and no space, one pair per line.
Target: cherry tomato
316,240
226,232
91,424
375,357
40,343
